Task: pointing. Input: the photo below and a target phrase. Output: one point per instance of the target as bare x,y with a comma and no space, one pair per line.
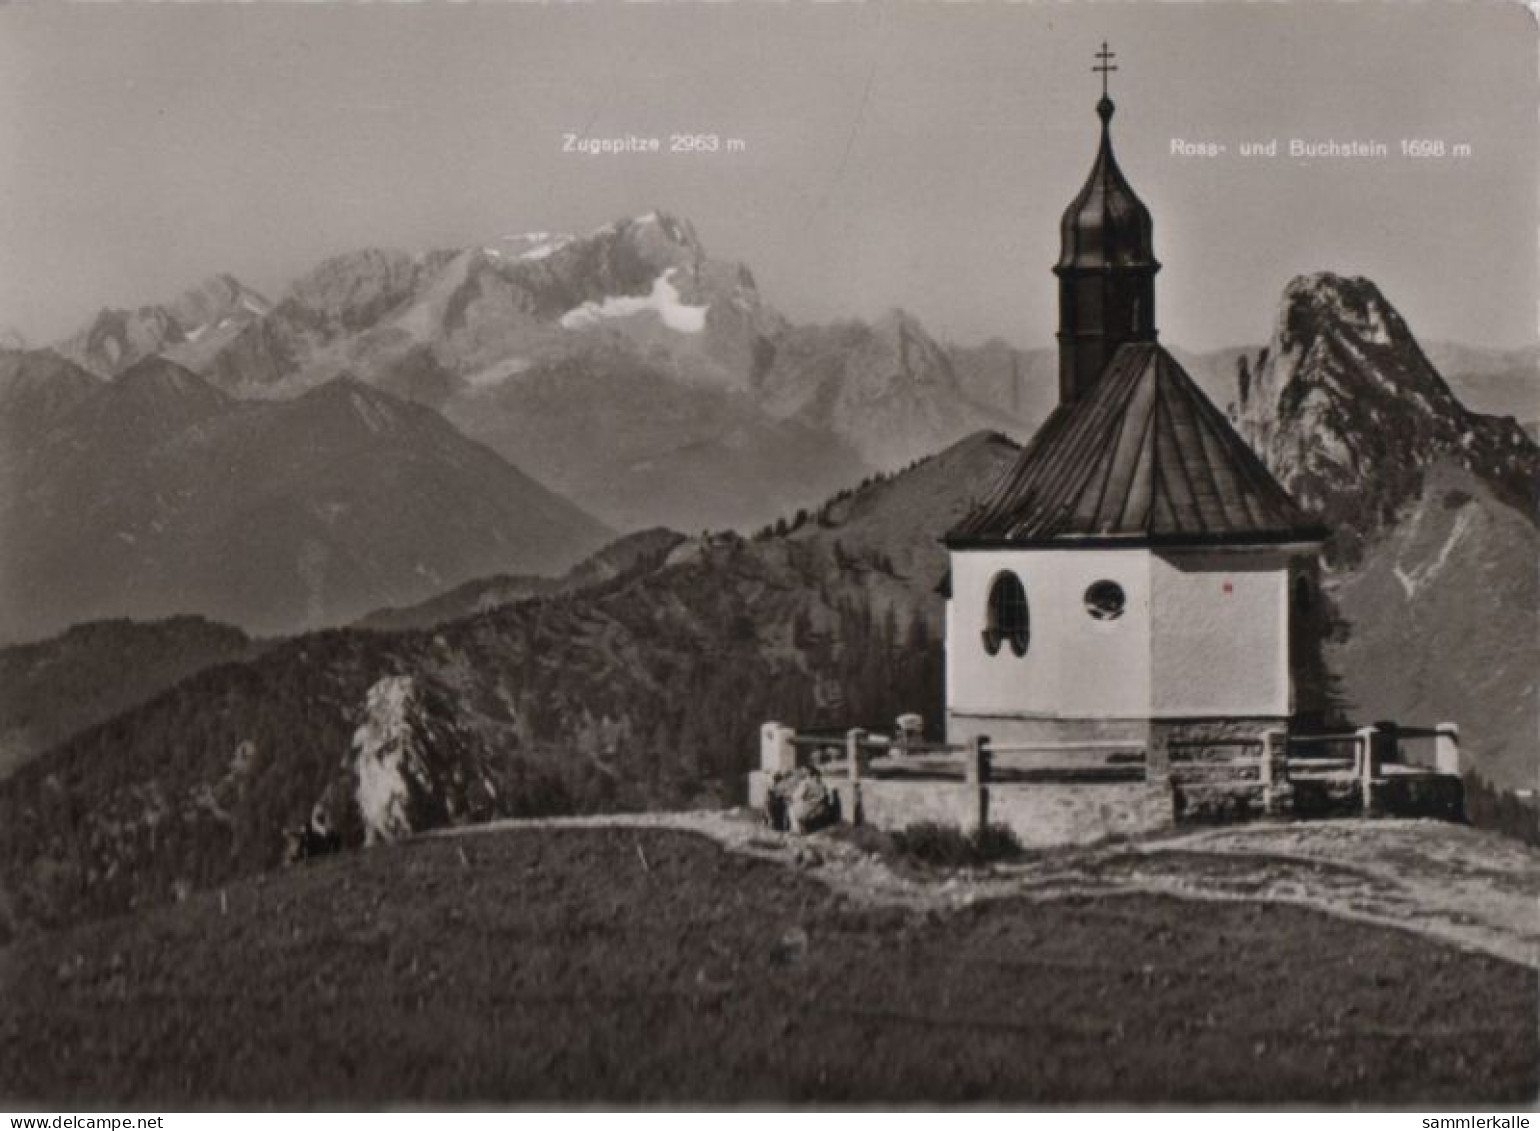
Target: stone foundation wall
1041,814
893,804
1013,730
1218,730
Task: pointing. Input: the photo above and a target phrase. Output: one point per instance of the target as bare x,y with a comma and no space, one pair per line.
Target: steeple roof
1144,459
1106,225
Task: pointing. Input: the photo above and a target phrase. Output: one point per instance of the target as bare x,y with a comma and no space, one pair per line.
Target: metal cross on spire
1105,65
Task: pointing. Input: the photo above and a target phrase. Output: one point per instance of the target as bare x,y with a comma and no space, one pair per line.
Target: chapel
1138,572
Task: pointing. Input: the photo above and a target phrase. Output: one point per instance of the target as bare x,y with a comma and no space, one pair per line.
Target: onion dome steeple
1106,265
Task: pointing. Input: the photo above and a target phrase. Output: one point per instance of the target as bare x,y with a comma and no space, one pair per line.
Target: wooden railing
860,753
1362,755
1270,762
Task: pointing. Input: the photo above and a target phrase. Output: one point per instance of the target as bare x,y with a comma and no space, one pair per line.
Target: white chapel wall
1220,634
1076,666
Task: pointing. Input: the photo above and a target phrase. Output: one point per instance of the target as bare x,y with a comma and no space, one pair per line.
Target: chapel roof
1144,459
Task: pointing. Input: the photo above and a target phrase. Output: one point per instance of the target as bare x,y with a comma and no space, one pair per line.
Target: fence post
1388,741
1446,751
1157,756
1159,781
855,754
1367,751
1276,790
777,754
976,773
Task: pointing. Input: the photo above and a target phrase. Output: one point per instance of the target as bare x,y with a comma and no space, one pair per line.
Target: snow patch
664,301
497,373
539,245
1417,578
545,251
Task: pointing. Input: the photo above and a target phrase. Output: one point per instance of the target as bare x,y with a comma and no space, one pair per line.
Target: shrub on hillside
947,846
1489,807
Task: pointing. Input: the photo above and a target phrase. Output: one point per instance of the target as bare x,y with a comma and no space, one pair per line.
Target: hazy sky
895,154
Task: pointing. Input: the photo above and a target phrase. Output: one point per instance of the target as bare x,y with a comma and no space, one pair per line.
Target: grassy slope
1444,619
636,966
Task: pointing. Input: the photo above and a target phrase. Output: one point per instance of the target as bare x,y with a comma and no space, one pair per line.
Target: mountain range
628,371
155,494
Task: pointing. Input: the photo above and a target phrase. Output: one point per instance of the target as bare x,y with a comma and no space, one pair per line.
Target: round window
1105,600
1007,620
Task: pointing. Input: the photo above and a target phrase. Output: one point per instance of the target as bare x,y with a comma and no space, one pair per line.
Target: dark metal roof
1145,458
1106,225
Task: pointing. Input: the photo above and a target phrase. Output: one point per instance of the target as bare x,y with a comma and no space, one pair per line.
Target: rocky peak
352,291
217,298
116,339
908,351
202,318
1347,411
662,238
1325,302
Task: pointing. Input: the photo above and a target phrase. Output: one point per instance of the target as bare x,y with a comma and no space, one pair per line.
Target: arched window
1007,619
1105,600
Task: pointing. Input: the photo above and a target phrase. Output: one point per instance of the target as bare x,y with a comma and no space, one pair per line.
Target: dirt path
1461,886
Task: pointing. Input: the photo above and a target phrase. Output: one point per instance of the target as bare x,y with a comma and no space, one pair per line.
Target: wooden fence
860,754
1269,763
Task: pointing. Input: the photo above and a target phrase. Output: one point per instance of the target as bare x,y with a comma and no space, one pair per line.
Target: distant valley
155,494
